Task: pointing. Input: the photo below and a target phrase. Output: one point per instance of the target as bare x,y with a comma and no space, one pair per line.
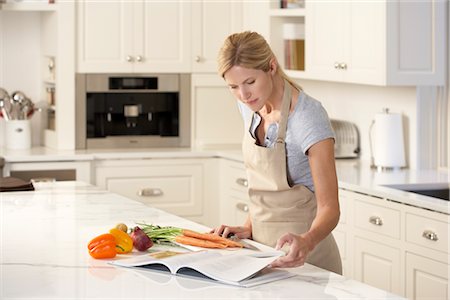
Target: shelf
288,12
28,6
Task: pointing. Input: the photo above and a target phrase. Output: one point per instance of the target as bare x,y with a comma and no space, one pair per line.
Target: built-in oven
117,110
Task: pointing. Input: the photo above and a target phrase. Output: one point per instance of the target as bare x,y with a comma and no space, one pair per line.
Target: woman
288,150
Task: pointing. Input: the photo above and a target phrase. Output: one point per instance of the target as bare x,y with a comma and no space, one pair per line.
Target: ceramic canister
18,134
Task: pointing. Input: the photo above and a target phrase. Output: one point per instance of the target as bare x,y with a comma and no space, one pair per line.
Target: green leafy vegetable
161,234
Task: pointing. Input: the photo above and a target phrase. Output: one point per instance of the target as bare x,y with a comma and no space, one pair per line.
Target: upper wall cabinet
212,21
133,36
376,42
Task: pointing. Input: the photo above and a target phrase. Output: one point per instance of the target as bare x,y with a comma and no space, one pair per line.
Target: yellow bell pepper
124,243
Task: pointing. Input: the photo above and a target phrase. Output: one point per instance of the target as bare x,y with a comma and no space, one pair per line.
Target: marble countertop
353,174
44,235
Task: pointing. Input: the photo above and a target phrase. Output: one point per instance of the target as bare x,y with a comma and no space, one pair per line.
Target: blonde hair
249,50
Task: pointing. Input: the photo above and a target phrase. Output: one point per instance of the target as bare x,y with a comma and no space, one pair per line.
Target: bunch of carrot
169,234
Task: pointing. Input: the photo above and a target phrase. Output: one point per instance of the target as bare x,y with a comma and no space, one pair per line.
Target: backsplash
359,104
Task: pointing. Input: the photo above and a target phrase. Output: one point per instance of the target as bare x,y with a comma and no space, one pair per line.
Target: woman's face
251,87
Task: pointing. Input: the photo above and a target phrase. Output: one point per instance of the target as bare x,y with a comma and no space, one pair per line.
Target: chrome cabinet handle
242,206
343,66
242,181
150,192
376,221
129,58
139,58
430,235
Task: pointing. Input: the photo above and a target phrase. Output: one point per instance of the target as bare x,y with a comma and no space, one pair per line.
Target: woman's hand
300,246
242,232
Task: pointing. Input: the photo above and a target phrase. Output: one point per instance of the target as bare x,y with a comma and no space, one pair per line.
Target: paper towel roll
293,31
389,148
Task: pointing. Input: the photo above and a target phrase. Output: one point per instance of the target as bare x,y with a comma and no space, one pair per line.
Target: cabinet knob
430,235
242,181
376,221
198,58
139,58
343,66
242,206
337,65
150,192
129,58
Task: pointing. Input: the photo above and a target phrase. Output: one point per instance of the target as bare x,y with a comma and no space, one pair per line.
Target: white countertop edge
403,197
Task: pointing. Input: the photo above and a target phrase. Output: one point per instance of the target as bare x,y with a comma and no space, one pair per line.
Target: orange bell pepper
103,246
124,243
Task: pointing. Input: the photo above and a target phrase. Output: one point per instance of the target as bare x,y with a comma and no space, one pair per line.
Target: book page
233,268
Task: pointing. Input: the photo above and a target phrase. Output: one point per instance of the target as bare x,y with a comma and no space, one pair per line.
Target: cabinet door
365,47
215,114
377,265
213,21
105,36
325,38
163,36
346,41
426,278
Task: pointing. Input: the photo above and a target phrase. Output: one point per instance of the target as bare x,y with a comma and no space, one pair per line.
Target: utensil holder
18,134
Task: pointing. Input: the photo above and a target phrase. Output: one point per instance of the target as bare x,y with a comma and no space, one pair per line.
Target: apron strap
285,105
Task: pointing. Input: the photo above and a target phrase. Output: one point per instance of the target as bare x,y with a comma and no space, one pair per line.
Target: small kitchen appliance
347,142
133,110
387,145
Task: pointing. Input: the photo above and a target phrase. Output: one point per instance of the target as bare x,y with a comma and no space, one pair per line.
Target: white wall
360,103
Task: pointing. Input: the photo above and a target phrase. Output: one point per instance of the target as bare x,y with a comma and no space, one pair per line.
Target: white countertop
44,236
352,173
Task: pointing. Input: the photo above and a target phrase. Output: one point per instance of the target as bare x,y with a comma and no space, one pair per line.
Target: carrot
187,240
211,237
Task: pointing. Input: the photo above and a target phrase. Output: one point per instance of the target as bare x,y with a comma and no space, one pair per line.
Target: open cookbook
245,270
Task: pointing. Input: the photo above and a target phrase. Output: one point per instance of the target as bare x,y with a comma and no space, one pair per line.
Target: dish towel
12,184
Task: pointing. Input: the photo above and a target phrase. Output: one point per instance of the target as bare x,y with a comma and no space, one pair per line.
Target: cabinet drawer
237,179
379,219
427,232
175,189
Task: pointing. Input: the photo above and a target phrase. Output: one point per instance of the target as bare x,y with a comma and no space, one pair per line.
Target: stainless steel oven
128,110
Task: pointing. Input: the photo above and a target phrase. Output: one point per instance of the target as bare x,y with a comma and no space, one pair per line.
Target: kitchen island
43,254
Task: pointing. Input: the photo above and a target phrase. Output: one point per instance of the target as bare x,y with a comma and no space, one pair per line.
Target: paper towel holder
380,168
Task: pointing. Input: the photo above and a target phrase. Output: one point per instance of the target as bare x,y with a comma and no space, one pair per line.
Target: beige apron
275,207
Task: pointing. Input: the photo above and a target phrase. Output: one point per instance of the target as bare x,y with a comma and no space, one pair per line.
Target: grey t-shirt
307,125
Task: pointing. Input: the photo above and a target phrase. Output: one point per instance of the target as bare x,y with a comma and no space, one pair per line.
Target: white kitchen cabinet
407,245
179,186
427,254
426,278
212,22
376,42
134,36
343,233
216,120
234,202
373,258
